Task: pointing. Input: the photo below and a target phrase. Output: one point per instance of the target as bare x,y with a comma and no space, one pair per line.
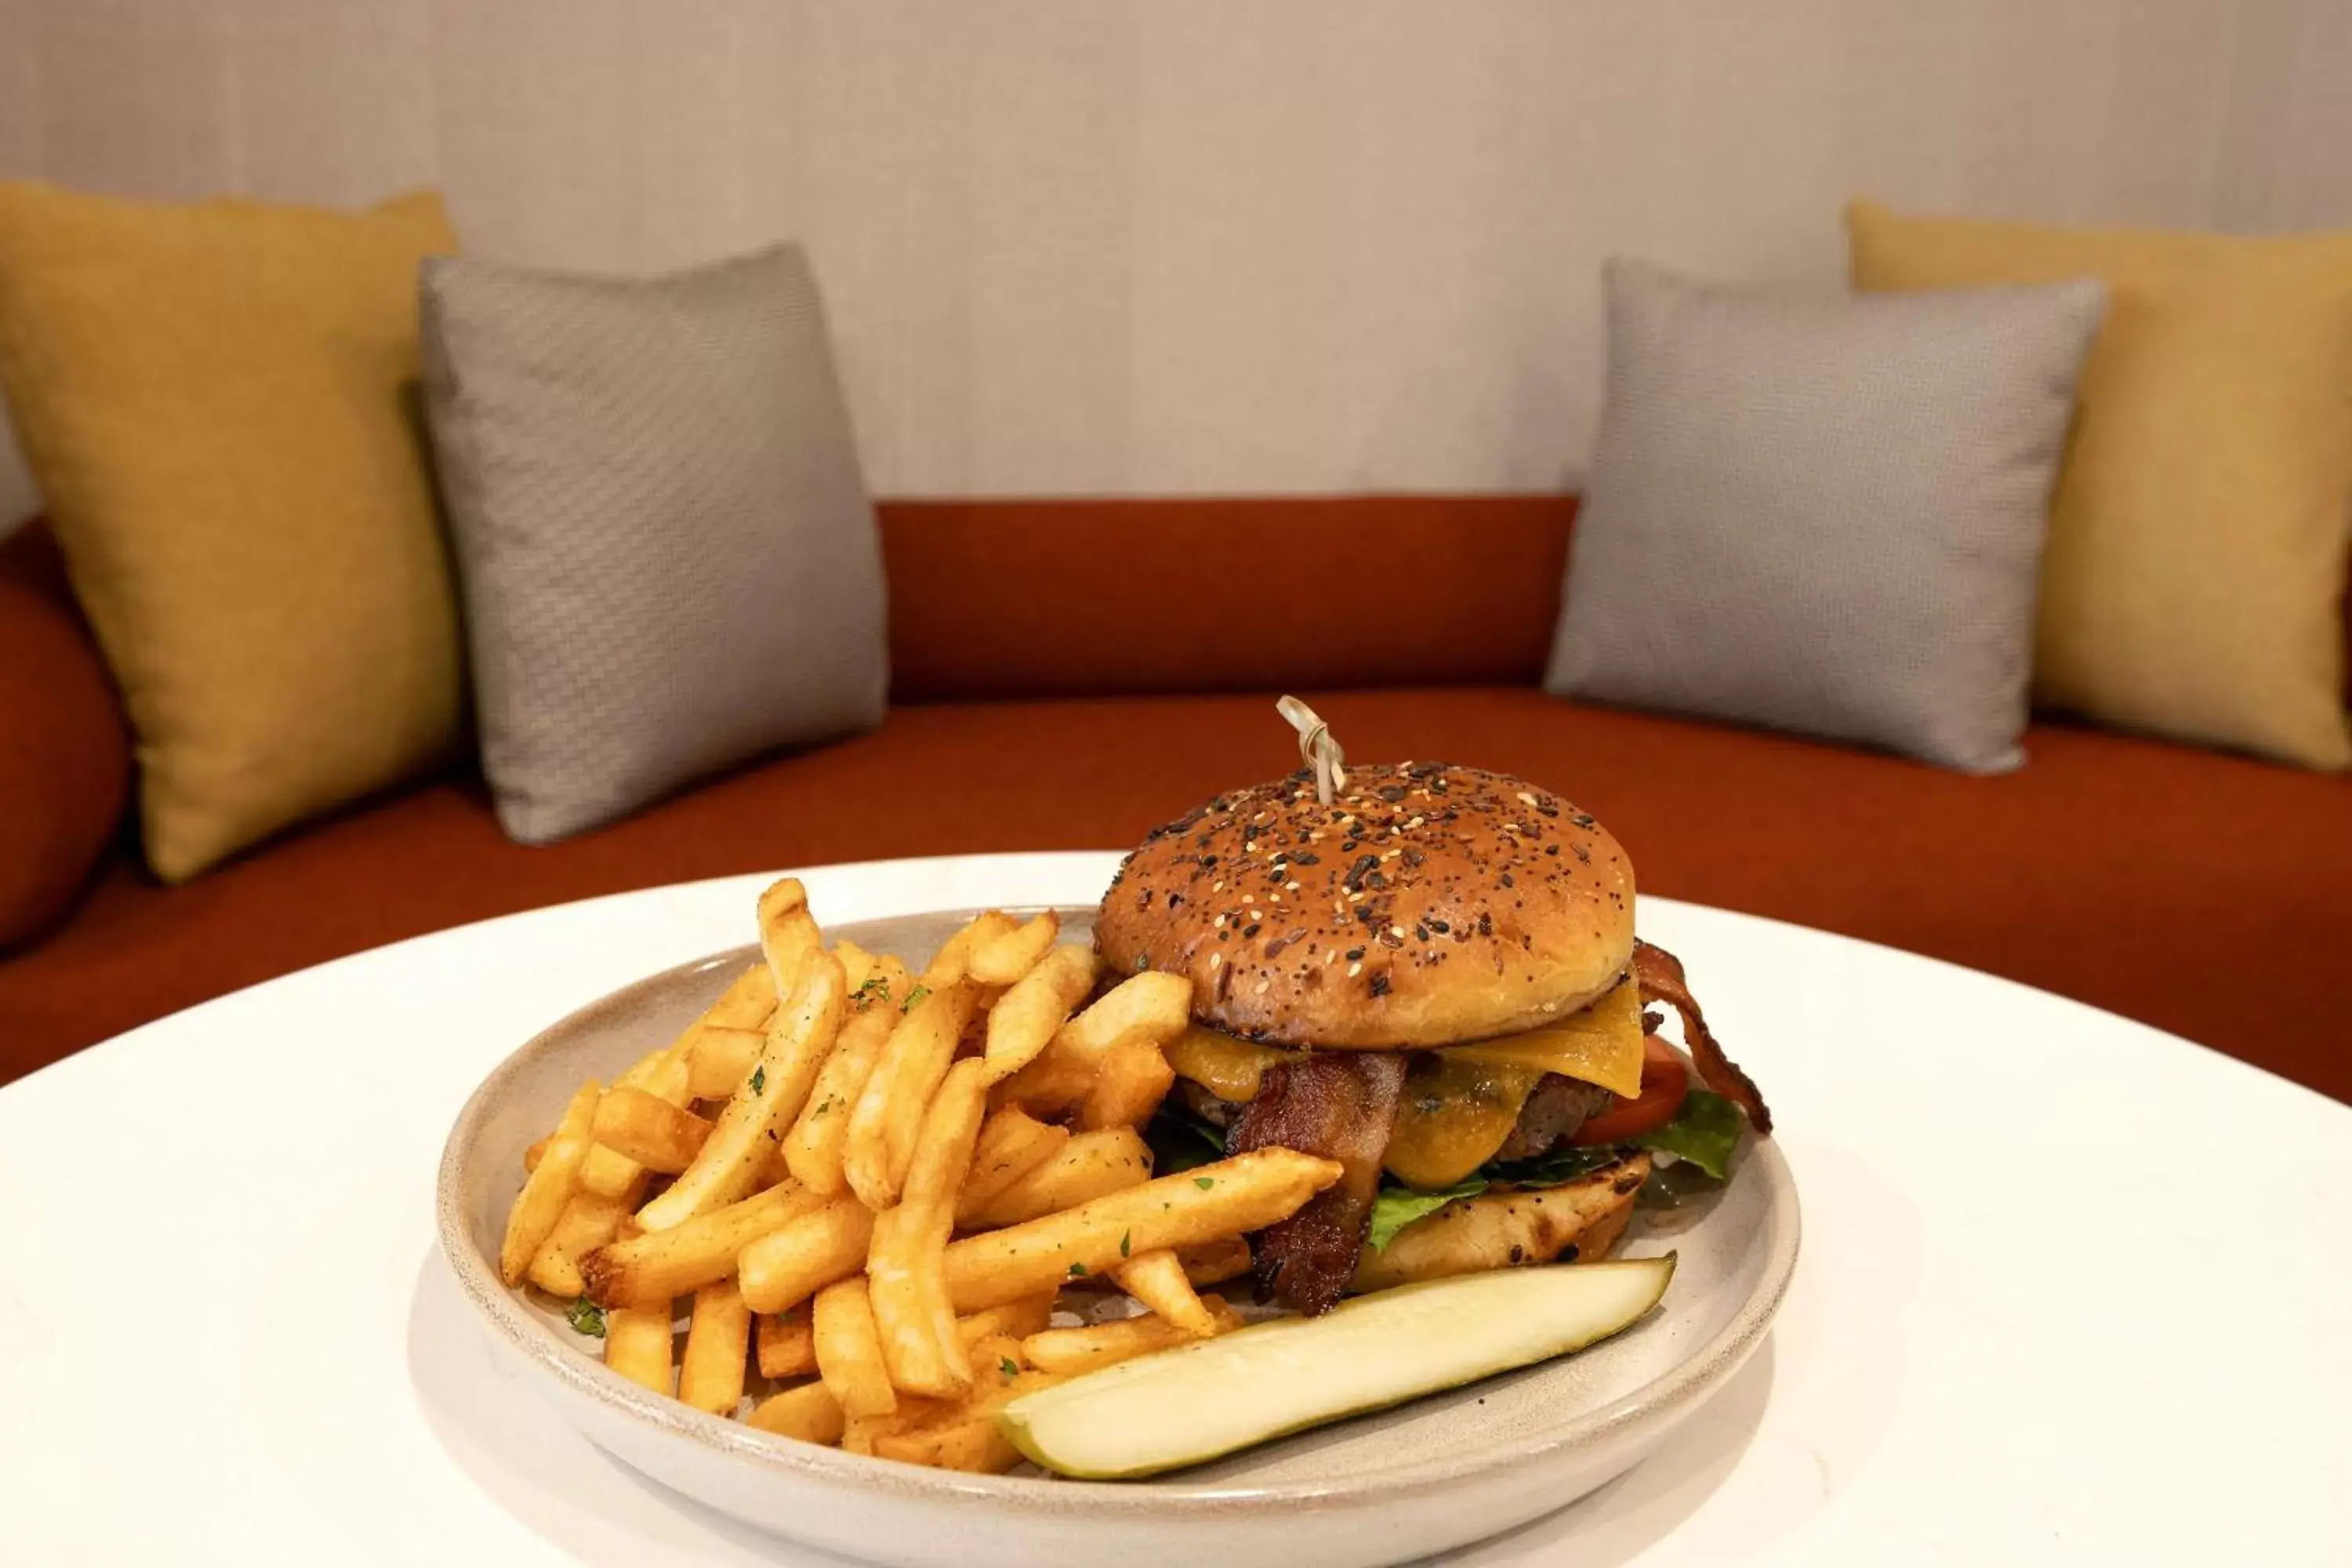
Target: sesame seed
1277,898
1221,920
1215,959
1414,823
1331,956
1397,931
1261,987
1527,798
1354,969
1217,887
1290,887
1356,898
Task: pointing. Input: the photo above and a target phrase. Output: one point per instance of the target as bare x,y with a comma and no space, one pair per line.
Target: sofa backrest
1038,598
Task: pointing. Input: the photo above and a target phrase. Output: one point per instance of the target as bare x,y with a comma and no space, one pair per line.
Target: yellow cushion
2197,558
219,404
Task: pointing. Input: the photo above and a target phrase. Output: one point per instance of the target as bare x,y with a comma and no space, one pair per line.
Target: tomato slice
1665,1081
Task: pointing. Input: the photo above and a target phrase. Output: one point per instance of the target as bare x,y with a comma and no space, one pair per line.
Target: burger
1432,978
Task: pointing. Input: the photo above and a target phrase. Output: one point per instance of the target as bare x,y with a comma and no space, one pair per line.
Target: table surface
2072,1290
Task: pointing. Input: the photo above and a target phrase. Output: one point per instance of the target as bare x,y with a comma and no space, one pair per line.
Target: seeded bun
1427,905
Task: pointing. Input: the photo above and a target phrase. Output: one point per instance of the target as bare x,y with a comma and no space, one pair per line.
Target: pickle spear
1199,1402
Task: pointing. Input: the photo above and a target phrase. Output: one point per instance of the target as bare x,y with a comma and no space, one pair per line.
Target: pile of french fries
872,1188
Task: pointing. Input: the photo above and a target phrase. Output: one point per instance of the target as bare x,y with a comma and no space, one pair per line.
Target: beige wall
1201,245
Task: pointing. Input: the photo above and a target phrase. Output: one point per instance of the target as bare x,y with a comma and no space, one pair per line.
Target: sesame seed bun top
1427,905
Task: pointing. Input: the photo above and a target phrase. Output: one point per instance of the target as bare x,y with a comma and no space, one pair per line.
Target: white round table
2072,1290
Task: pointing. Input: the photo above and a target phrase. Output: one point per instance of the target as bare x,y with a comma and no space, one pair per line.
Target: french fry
657,1072
1039,1003
589,1220
809,1412
730,1158
773,1169
880,1143
1009,957
1073,1352
785,1345
857,963
1132,1080
949,1132
1012,1145
720,1059
746,1003
548,1187
953,960
717,1339
660,1074
657,1264
530,1156
1014,1320
1152,1007
995,1358
1157,1279
963,1436
903,1267
849,1353
744,1007
649,1131
813,1149
898,1279
1214,1262
1053,1083
970,1443
637,1344
797,1260
1087,1167
1231,1198
858,1432
788,933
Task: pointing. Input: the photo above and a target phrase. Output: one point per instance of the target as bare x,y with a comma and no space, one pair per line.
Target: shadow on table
1622,1519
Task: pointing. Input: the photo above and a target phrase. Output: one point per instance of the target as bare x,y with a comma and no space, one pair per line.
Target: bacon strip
1341,1106
1660,975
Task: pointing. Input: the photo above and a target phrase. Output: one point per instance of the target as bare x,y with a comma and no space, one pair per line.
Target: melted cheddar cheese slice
1601,1044
1452,1116
1459,1104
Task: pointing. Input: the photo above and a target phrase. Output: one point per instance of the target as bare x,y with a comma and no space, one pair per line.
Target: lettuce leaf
1397,1207
1562,1165
1704,1131
1180,1141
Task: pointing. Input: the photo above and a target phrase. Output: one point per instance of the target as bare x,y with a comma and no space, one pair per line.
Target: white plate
1403,1483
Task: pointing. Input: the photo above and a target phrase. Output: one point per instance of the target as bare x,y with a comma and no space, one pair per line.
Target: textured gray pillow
1824,513
666,559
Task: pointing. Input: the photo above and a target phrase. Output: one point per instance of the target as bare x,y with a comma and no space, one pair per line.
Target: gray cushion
1824,513
667,558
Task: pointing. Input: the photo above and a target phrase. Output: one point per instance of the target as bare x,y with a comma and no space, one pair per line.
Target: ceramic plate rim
1690,1381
